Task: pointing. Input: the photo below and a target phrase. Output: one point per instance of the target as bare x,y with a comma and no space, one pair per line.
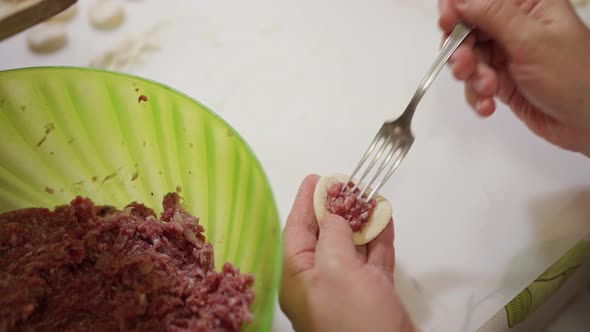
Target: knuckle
524,44
491,8
293,267
331,266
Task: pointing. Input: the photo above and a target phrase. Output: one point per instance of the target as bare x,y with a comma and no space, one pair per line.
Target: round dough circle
46,37
378,221
106,14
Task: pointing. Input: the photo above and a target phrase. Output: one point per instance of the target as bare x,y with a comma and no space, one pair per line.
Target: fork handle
459,33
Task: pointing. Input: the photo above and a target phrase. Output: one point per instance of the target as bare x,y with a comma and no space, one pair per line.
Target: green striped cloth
534,307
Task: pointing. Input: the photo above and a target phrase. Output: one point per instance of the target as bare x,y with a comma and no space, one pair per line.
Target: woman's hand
532,55
328,283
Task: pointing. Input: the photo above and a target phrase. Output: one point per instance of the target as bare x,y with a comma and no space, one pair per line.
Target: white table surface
480,207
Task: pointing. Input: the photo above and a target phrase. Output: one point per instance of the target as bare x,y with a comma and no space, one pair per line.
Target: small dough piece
106,14
66,15
47,37
377,222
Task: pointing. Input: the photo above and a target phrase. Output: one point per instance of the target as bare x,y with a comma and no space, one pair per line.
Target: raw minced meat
88,267
348,205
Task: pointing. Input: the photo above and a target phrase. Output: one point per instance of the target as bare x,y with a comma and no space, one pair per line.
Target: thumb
335,241
500,19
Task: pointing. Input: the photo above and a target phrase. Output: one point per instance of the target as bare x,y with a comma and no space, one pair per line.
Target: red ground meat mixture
87,267
347,205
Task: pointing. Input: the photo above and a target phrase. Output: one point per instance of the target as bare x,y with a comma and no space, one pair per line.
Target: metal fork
396,136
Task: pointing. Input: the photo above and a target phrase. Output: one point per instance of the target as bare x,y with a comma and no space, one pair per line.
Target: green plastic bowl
72,131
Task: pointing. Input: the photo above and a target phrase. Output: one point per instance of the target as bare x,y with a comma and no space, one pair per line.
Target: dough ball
106,14
47,37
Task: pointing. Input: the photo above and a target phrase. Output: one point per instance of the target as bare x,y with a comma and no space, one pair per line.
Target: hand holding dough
377,221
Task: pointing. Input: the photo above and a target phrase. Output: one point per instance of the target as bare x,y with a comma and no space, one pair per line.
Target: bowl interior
115,139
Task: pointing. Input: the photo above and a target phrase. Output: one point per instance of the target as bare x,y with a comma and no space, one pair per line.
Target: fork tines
389,140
